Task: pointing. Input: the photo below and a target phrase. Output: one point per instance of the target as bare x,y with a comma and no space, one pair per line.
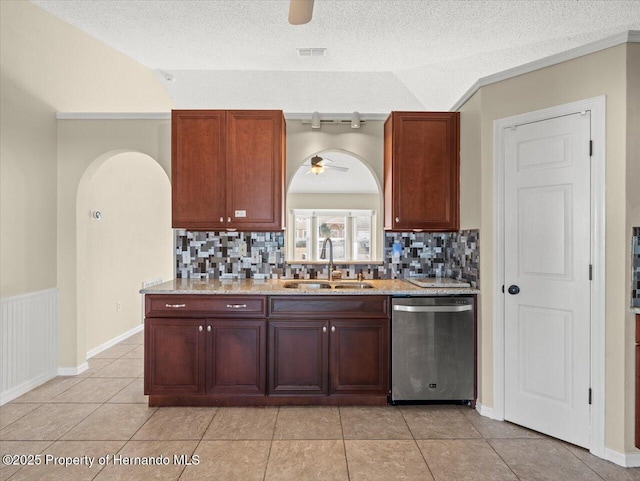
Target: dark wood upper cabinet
255,169
422,171
228,169
198,169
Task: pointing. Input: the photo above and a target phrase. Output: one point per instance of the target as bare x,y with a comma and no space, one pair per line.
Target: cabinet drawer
329,307
204,306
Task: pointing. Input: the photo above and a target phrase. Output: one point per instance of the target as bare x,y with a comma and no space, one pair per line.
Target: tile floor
104,413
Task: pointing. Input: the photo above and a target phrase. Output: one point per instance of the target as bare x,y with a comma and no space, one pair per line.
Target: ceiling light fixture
355,120
316,169
315,120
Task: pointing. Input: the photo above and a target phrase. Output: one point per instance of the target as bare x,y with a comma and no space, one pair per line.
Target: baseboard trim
114,341
25,387
626,460
73,371
485,411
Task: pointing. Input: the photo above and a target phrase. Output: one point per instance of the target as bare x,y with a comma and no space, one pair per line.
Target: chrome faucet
323,255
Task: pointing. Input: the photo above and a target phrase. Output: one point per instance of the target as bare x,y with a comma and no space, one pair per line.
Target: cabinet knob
324,329
208,328
397,219
200,328
221,219
228,219
333,328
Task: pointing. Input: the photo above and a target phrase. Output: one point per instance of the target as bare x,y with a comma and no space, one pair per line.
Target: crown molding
113,115
630,36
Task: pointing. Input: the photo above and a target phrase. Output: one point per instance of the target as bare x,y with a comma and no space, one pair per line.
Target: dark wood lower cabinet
349,356
174,360
314,351
298,357
236,357
359,361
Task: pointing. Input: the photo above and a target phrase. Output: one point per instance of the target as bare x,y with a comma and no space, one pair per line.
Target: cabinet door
198,169
359,357
174,356
422,171
236,356
255,169
298,357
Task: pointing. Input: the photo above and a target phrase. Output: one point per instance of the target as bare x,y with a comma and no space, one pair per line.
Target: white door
547,256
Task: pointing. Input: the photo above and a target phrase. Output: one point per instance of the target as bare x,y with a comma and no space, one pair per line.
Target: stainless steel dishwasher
432,349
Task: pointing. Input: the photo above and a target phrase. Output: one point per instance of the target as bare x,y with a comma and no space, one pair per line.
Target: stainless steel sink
326,285
307,285
353,285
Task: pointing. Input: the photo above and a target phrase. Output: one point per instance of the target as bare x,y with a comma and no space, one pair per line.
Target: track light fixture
315,120
355,120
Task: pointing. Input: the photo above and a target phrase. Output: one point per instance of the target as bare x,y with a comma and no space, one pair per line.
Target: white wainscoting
29,342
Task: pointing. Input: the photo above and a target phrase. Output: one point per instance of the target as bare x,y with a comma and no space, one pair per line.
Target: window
349,230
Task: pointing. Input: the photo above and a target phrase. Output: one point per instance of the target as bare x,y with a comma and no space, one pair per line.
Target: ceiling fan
300,11
318,166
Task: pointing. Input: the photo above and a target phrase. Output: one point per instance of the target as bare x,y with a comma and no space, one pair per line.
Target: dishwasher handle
449,308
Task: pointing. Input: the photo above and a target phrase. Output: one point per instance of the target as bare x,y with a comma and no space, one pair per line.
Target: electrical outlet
118,306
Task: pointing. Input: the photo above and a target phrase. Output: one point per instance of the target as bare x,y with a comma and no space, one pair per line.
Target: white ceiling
357,180
381,54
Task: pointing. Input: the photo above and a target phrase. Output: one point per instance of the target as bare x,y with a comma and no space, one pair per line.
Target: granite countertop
636,310
271,287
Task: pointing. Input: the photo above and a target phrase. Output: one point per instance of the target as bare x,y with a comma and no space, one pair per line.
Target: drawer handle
236,306
175,306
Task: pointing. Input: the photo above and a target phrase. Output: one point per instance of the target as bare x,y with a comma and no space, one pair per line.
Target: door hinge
590,272
589,395
590,148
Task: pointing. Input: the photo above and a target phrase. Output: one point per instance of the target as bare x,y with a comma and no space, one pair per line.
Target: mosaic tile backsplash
635,269
260,255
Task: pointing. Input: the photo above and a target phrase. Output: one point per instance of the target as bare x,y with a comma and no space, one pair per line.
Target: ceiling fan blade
300,11
335,167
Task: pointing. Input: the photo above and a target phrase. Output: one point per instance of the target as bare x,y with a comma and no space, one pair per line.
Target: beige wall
601,73
131,243
470,162
49,66
633,220
81,142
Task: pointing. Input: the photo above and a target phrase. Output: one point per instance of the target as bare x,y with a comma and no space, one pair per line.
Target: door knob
513,290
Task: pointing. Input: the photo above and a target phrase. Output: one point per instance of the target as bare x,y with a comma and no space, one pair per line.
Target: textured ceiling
419,54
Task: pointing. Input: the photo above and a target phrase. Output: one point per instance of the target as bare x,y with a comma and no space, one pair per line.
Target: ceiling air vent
311,52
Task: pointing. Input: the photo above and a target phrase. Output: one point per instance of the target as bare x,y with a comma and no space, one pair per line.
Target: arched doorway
124,237
334,193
